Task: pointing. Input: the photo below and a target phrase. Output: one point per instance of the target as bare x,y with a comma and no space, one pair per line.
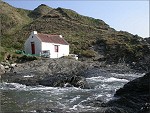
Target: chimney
34,32
60,36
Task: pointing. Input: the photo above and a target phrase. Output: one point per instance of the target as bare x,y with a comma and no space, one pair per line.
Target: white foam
41,88
74,99
129,74
12,86
100,95
95,79
112,79
74,107
108,95
34,111
103,79
80,108
17,86
27,76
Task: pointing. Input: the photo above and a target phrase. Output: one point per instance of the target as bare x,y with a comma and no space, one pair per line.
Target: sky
128,15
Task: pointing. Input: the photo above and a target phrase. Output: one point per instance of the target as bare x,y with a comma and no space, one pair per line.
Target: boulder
134,97
37,78
2,69
60,80
137,86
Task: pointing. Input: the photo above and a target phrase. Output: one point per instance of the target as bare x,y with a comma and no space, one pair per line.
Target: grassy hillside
88,37
12,19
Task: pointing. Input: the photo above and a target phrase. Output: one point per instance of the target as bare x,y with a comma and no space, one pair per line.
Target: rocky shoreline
132,98
48,72
57,72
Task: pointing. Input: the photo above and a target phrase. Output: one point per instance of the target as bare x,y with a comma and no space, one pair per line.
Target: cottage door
33,47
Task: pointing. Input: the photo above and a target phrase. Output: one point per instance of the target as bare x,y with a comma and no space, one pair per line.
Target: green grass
80,31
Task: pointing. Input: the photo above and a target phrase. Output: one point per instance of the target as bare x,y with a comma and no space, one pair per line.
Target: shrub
26,58
89,53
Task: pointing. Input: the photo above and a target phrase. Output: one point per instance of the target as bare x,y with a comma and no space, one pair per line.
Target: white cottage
53,46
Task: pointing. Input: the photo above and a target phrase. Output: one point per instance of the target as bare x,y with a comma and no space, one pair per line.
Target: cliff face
88,37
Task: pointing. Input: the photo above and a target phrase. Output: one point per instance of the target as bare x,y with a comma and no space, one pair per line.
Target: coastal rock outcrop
134,97
2,69
49,72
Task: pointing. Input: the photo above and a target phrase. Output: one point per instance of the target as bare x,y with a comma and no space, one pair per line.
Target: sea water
21,98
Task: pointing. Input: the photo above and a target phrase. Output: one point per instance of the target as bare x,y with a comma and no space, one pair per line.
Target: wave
11,86
17,86
112,79
128,75
71,99
104,79
74,99
27,76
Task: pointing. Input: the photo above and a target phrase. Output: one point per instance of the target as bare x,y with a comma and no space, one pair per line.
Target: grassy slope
85,34
12,18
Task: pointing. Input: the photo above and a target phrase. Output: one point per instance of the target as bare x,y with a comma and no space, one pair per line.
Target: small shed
52,46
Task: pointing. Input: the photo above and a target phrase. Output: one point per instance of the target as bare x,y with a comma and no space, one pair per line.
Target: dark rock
59,80
26,58
95,72
147,39
145,108
134,97
2,69
50,72
139,85
114,110
67,85
45,80
94,103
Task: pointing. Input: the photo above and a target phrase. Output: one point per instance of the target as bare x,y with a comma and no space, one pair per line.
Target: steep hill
90,38
12,18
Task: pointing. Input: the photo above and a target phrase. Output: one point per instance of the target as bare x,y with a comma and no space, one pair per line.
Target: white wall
37,43
62,51
42,46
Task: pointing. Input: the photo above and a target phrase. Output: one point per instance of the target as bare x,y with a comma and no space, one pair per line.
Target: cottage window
56,48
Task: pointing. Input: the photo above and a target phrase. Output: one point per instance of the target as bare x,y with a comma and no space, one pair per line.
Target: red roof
52,38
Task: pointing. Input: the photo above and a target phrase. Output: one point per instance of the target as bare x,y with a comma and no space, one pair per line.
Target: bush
1,57
89,53
26,58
